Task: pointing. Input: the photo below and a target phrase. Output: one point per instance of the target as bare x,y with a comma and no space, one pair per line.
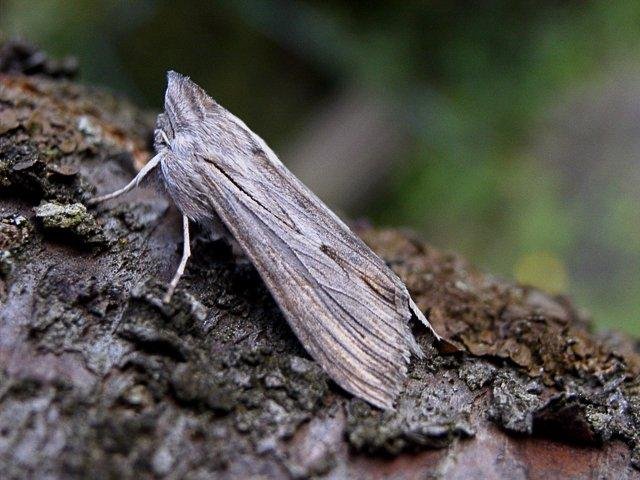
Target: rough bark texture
99,380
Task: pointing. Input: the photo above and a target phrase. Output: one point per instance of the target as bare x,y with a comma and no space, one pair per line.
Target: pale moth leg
151,164
186,253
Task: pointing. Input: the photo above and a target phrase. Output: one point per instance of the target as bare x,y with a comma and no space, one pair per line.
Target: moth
345,305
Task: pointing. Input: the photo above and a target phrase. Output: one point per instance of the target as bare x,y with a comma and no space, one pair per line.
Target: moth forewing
349,310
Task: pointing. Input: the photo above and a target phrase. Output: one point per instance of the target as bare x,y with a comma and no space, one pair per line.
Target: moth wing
349,310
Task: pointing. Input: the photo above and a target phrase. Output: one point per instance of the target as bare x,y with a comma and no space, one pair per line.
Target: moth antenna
151,164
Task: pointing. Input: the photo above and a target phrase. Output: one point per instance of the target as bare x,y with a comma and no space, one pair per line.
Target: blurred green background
506,130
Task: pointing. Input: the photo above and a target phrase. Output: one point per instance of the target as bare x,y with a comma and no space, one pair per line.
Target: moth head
185,103
185,106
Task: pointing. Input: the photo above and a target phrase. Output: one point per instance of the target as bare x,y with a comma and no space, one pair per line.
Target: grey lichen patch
71,221
515,400
599,411
477,373
584,412
428,416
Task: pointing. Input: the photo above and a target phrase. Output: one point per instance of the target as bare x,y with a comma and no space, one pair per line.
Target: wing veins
385,381
356,359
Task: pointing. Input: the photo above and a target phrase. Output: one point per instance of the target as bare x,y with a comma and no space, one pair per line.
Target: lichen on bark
99,378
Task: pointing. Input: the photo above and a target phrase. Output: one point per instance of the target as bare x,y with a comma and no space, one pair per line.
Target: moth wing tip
423,319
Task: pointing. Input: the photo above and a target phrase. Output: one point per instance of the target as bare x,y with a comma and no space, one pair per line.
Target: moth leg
151,164
186,253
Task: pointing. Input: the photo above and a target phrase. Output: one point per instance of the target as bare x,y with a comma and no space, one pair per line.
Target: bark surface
99,379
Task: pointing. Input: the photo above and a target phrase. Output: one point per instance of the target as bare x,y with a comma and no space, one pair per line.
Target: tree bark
99,379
